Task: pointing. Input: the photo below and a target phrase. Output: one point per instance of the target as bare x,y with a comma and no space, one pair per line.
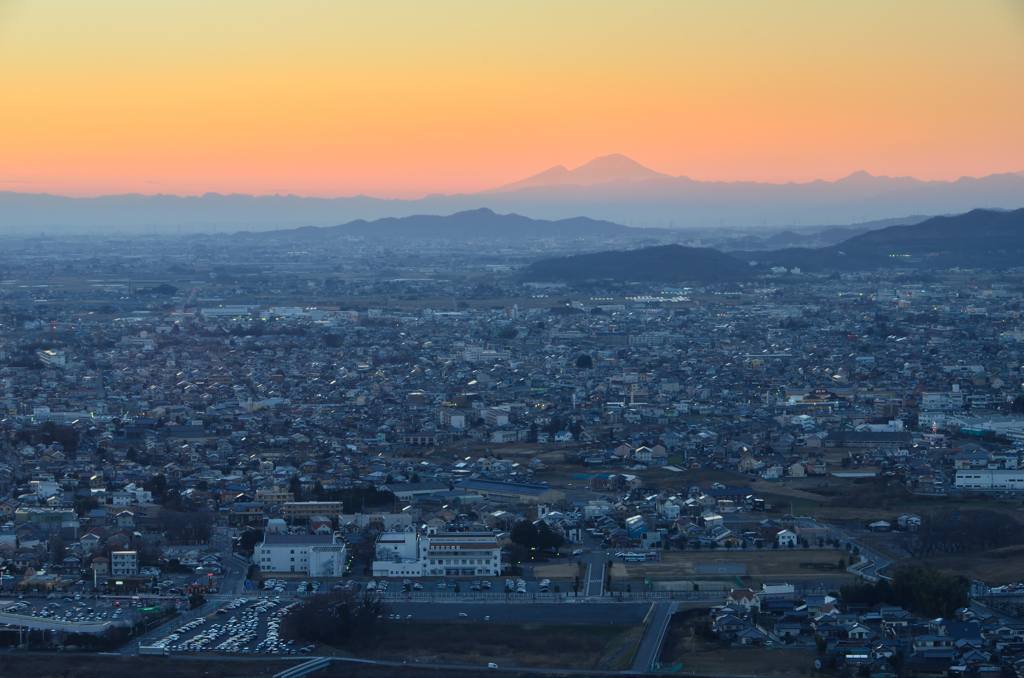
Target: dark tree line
248,540
953,532
186,528
334,618
358,499
926,592
538,536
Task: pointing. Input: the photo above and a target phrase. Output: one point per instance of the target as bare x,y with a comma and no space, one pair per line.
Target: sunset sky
401,99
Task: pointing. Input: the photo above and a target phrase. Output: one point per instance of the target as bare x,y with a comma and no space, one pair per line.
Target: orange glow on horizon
402,100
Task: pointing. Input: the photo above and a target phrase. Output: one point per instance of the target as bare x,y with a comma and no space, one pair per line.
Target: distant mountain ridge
811,236
979,238
611,188
479,224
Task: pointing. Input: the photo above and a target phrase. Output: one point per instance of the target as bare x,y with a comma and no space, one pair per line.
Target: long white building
444,554
990,479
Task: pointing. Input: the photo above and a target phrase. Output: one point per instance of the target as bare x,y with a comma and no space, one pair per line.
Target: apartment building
124,563
313,554
304,510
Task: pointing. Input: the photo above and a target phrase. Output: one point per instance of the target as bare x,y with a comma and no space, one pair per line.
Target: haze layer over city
461,339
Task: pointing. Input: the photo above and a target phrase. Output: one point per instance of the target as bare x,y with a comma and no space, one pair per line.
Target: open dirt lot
590,646
996,567
743,661
565,571
106,666
767,562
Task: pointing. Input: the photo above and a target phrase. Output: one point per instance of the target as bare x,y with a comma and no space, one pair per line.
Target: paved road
598,613
875,560
649,650
983,610
595,579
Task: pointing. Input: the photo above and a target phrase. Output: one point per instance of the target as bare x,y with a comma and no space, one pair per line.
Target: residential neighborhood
183,434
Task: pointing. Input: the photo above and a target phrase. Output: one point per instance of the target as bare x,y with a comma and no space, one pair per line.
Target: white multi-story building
452,418
943,401
463,554
990,479
495,417
446,554
124,563
312,554
478,354
327,560
52,358
228,311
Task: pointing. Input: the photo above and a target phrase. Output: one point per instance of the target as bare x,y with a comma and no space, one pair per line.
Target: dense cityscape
362,451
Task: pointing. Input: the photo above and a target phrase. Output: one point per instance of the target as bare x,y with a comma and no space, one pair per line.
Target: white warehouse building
446,554
312,554
990,479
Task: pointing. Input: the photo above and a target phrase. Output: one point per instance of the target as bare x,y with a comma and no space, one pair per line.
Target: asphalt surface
649,649
60,609
549,613
875,561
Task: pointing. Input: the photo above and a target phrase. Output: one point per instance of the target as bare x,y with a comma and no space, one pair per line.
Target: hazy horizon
11,186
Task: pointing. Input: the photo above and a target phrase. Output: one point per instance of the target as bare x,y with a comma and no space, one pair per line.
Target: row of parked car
81,613
381,587
240,631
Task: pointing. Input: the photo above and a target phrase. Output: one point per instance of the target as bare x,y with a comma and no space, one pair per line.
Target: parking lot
71,608
246,626
278,587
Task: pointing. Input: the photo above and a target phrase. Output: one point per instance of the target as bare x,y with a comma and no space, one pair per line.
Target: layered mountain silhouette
977,239
479,224
811,236
611,188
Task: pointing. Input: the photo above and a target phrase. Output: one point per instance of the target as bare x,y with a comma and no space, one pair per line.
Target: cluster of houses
882,641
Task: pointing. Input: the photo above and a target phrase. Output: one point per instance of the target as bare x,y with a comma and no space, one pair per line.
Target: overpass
648,650
44,624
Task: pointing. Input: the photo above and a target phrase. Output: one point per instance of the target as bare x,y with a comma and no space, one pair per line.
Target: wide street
612,613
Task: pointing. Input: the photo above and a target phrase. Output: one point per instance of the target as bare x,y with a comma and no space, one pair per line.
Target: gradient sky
401,99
